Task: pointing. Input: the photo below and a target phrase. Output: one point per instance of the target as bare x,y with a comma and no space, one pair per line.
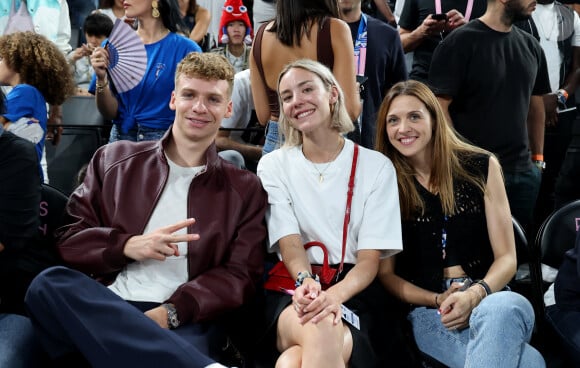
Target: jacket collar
212,160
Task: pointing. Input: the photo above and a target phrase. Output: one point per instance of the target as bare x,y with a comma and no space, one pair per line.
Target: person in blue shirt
143,113
38,73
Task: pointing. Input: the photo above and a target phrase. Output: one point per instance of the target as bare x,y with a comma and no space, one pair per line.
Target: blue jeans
273,139
500,328
522,190
136,135
19,347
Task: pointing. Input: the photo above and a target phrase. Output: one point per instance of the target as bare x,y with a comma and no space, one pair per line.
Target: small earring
155,6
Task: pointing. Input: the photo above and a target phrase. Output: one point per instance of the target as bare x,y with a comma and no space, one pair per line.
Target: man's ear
229,109
172,101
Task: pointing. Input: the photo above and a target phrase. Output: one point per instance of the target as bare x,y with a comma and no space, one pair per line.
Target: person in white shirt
307,181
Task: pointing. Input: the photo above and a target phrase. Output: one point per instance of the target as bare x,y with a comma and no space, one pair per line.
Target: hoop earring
155,6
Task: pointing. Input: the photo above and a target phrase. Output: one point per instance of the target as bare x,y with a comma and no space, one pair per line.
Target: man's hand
551,106
431,27
454,20
159,315
159,244
1,247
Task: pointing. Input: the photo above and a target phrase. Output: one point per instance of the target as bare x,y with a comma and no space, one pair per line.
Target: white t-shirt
243,104
152,280
550,27
300,204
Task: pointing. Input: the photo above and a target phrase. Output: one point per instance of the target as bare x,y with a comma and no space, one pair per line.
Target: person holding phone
424,23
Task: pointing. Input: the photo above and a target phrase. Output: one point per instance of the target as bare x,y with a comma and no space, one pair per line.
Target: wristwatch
562,96
540,164
172,320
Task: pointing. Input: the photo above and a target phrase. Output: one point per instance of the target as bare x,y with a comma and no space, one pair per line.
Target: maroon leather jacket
123,183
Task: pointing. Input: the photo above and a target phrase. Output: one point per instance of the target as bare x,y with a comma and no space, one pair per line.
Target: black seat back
558,233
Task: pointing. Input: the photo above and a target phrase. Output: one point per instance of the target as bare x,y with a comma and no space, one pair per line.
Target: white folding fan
127,57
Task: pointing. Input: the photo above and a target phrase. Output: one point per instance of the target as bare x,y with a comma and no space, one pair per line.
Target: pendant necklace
321,172
547,35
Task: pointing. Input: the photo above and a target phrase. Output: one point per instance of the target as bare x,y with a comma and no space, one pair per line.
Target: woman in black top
458,242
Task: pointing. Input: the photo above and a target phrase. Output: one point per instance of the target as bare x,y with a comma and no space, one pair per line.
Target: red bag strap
348,205
324,251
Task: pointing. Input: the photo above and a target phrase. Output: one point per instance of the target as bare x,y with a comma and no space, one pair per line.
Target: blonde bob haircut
449,150
340,120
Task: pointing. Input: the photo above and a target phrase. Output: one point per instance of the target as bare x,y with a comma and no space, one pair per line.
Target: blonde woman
306,181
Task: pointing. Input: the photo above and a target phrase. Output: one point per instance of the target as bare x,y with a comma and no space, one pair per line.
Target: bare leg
321,345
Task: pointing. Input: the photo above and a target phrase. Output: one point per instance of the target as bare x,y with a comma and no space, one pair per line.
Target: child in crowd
38,73
97,28
235,34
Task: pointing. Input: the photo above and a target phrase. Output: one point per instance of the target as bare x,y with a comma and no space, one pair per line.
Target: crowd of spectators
251,122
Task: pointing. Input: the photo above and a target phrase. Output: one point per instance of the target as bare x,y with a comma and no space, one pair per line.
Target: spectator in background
421,32
97,27
38,73
113,9
79,10
558,30
196,19
490,77
231,143
51,19
235,35
263,12
301,29
380,9
379,57
143,112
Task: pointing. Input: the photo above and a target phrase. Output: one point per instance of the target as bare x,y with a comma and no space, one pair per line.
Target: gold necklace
321,173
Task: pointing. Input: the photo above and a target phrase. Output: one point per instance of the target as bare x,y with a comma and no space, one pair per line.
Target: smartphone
441,16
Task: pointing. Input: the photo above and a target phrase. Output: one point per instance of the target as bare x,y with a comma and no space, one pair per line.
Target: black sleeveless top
467,240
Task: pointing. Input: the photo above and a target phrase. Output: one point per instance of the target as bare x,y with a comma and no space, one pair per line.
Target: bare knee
290,358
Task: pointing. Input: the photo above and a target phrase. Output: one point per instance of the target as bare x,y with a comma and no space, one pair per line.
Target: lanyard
468,10
360,46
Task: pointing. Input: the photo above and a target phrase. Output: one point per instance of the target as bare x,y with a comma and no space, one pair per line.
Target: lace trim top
467,242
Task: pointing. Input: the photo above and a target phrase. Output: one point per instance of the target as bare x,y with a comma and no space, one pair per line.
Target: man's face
236,31
346,6
200,106
517,10
94,41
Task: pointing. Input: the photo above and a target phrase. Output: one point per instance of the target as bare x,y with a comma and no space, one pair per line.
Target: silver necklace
321,172
547,35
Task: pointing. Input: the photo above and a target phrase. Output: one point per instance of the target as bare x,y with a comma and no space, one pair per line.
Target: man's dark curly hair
40,64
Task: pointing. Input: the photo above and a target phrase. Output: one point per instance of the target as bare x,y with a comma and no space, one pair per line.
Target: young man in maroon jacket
173,231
